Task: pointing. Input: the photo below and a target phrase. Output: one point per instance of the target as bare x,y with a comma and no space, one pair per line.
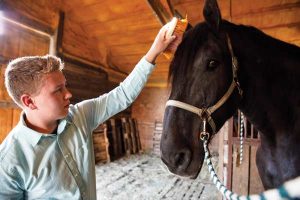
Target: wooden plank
6,118
3,92
255,184
105,10
160,11
126,136
16,116
247,141
223,154
229,137
126,37
296,42
257,6
11,36
42,15
133,23
77,67
84,94
285,33
33,44
240,173
76,42
134,136
264,20
145,130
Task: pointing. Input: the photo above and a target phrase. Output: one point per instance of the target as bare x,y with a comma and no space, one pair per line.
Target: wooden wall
15,42
149,109
84,81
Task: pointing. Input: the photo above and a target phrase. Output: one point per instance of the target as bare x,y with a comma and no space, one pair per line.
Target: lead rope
289,190
241,137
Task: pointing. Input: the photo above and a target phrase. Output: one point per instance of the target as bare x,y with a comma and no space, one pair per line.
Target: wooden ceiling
113,35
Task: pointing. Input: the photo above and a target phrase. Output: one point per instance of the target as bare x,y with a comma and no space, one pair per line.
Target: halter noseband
205,113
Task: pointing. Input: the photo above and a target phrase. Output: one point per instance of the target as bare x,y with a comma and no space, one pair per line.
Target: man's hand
159,45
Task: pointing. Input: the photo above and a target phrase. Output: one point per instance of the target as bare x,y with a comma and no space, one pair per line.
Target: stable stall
100,42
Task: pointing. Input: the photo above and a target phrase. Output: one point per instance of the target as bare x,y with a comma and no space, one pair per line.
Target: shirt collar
32,136
63,124
26,133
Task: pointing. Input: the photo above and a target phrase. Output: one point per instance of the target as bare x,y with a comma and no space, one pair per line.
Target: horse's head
201,74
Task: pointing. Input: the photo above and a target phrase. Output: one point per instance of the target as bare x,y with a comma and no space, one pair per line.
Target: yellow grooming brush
177,28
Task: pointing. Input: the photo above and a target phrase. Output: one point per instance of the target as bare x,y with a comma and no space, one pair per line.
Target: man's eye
59,90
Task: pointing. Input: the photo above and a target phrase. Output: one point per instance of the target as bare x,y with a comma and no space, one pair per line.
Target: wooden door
243,178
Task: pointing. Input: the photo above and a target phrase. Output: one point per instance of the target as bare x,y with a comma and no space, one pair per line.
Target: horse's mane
192,39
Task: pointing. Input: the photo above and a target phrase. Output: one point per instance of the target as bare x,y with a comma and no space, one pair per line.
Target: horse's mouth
184,172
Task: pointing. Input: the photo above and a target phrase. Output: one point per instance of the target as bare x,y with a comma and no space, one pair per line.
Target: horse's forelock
185,55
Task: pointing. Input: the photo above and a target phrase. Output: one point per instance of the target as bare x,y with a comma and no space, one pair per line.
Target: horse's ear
212,14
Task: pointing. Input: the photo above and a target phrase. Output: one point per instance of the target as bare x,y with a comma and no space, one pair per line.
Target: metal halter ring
204,136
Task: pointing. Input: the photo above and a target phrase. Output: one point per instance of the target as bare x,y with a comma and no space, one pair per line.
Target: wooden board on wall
149,108
6,118
255,183
16,42
240,173
9,117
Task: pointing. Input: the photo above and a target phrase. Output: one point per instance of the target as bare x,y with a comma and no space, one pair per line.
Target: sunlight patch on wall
1,23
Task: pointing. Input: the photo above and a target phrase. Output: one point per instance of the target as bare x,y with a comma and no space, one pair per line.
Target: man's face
53,100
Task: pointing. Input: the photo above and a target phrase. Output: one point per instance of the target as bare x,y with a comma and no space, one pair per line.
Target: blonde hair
25,75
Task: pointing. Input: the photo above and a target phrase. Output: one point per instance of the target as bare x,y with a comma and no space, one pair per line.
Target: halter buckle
204,135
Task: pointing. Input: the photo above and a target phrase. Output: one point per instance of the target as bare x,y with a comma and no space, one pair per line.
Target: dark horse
269,76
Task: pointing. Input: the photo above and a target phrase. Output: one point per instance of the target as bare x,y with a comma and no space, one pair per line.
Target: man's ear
28,102
212,14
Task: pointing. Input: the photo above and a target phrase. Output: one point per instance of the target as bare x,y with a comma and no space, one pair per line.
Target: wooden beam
60,33
160,11
171,7
13,15
4,60
8,104
24,24
82,62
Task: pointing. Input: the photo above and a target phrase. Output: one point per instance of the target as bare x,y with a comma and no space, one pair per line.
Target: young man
49,154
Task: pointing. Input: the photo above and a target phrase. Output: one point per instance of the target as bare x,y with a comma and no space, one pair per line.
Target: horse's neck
269,75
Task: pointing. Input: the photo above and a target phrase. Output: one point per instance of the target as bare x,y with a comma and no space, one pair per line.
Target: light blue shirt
62,165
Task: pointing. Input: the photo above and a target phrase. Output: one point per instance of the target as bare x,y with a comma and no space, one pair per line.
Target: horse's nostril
182,159
179,159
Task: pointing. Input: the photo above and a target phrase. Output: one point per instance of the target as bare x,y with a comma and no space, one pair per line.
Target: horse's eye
212,64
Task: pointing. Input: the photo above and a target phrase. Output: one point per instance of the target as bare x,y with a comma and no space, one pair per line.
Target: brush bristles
178,32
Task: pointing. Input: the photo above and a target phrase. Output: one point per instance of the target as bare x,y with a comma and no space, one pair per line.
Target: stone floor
145,177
